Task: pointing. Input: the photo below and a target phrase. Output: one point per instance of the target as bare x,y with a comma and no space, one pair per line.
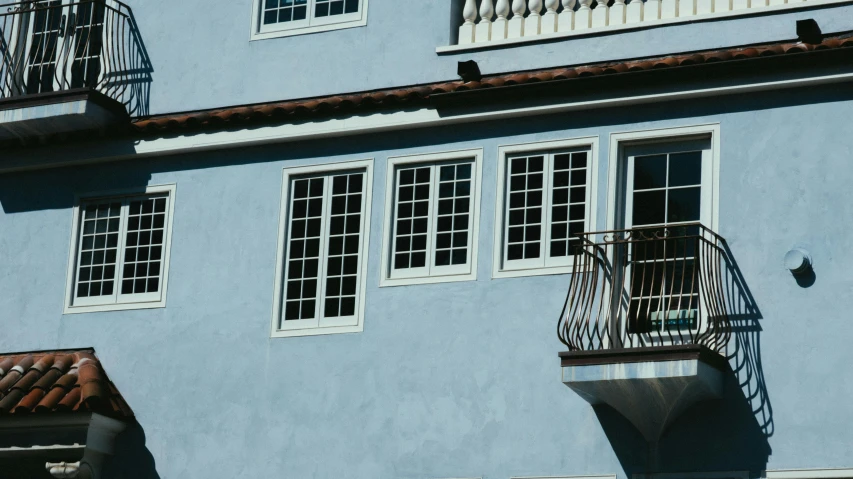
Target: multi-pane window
324,247
278,14
433,219
546,202
665,193
120,252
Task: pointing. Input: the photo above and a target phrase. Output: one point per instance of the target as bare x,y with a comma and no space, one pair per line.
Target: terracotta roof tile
57,381
280,111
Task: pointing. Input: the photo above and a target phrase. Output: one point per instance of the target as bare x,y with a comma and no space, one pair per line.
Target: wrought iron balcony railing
58,45
650,286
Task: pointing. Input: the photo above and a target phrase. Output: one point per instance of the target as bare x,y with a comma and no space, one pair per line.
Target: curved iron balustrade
649,286
58,45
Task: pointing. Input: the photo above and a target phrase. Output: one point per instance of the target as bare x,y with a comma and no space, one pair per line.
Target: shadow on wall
37,190
131,460
729,434
134,69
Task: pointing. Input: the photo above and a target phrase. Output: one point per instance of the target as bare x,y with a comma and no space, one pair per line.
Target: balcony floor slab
650,387
57,113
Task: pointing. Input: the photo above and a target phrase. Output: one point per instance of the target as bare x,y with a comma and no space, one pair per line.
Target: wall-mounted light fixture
808,31
798,261
469,71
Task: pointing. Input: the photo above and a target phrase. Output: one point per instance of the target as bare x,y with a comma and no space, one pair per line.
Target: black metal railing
650,286
58,45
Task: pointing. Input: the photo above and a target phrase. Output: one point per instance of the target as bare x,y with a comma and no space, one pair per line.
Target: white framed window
322,254
120,250
432,211
664,182
546,195
277,18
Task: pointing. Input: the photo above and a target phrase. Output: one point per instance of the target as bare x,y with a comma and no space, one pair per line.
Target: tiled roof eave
397,98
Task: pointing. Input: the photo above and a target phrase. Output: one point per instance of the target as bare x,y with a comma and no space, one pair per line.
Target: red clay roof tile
62,381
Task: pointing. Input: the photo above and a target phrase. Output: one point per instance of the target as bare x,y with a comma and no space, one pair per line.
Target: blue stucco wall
447,380
202,57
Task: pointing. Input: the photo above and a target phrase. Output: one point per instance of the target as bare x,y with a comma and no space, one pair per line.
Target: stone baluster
466,31
740,4
583,15
723,5
668,9
651,10
634,12
686,8
775,2
599,14
484,28
515,29
534,20
757,3
704,6
550,20
566,20
617,13
499,25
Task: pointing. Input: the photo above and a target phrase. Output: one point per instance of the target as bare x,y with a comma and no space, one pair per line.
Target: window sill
308,30
518,273
455,278
97,308
293,333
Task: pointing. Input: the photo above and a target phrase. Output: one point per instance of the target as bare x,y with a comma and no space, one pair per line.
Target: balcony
646,321
68,66
486,23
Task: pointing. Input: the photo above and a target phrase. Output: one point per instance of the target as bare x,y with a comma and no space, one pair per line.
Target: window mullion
547,195
309,15
395,220
507,193
326,218
122,242
432,218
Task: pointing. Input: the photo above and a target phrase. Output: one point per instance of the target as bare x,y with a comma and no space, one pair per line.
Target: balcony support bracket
650,387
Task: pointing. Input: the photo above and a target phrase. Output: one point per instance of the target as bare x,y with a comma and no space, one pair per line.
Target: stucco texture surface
447,380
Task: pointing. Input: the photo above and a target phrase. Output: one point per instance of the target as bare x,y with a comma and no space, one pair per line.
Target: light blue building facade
349,263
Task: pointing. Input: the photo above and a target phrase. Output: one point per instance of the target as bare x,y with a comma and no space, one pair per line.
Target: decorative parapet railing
499,20
51,46
650,286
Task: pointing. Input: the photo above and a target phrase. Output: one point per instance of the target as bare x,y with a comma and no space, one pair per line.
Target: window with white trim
121,251
305,16
546,203
433,215
324,251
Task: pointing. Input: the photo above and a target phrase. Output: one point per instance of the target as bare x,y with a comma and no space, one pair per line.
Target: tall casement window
432,214
324,249
546,201
663,185
293,17
121,251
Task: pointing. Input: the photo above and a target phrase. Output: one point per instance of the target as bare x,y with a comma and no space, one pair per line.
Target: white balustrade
549,21
532,22
565,20
583,16
484,28
497,20
500,25
516,23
